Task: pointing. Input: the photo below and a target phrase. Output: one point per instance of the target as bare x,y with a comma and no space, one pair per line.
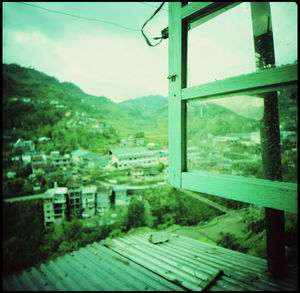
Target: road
27,197
210,202
41,195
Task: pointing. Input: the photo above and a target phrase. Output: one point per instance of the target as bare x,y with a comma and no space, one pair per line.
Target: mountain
35,105
21,82
146,107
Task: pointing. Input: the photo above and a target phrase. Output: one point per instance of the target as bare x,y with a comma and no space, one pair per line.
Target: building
126,158
102,200
74,187
120,195
25,145
60,162
136,172
38,162
89,201
43,139
55,205
78,155
60,204
89,159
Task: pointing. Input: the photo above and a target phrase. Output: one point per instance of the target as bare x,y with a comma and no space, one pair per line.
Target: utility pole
270,136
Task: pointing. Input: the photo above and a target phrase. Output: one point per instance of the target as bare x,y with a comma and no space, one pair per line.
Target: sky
109,60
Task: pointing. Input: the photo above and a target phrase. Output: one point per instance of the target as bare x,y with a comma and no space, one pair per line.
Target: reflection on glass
285,32
221,47
224,46
224,135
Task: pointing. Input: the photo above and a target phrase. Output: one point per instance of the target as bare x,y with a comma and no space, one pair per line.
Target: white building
126,158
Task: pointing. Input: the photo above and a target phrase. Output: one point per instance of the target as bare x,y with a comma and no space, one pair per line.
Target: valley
58,117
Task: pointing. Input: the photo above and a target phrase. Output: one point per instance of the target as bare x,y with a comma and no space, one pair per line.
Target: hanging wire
156,38
77,16
145,3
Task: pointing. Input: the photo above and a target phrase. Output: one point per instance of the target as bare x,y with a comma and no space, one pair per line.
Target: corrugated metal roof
133,263
193,264
93,267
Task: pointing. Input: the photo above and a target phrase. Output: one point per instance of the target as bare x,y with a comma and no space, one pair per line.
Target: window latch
172,77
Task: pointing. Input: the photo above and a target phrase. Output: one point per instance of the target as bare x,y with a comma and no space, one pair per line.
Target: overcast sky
105,59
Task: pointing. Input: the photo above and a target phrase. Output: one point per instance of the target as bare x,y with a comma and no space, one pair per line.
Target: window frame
262,192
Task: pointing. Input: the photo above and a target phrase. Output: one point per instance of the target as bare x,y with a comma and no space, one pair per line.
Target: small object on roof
159,237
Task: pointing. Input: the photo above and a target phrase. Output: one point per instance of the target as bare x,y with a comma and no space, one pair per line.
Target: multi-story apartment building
103,200
55,205
49,207
38,162
76,200
89,200
120,195
74,196
60,162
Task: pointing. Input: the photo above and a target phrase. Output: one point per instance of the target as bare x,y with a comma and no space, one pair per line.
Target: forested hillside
36,105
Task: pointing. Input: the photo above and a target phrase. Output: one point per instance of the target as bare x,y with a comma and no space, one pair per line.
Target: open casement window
234,134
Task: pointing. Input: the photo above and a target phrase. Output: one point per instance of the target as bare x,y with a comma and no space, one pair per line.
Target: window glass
224,47
221,47
224,135
285,31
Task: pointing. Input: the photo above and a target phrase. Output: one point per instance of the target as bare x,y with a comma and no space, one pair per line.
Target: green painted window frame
261,192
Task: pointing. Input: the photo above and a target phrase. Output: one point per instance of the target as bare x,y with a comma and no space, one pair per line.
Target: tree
136,214
140,134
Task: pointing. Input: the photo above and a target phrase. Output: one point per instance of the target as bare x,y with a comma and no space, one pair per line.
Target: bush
115,233
228,240
136,214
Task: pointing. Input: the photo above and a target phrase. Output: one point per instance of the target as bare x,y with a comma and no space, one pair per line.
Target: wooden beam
261,192
263,80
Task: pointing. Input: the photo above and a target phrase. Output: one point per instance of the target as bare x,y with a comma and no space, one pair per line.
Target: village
94,184
80,196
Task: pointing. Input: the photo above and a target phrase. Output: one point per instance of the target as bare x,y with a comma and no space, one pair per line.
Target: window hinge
172,77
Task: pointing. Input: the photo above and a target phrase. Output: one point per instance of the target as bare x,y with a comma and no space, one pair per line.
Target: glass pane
221,47
285,32
224,46
224,135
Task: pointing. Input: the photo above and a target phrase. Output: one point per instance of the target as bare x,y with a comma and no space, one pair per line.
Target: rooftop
128,151
61,190
134,263
89,189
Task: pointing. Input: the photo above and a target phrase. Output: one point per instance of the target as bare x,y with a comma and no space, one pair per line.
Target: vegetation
39,105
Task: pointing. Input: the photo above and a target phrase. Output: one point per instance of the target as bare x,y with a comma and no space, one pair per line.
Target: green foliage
291,229
140,134
256,226
16,187
136,214
116,233
23,232
228,240
169,206
56,177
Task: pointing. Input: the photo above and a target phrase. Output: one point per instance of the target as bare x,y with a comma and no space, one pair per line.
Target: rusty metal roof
134,263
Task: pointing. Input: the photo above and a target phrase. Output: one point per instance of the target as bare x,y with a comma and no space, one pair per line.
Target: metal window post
177,80
270,135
